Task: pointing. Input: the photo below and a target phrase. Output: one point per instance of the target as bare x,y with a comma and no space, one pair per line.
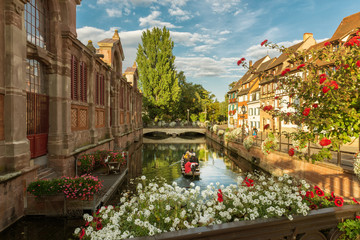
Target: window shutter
97,89
102,90
72,76
81,92
74,81
85,83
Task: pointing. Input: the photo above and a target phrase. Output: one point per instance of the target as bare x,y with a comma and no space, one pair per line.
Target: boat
195,170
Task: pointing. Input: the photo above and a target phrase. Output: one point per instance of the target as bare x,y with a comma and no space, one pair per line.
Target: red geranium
263,42
306,111
268,108
288,114
266,126
82,233
276,97
220,196
325,89
327,44
310,194
339,201
315,105
291,152
324,142
240,61
319,192
285,71
249,182
358,63
346,66
300,66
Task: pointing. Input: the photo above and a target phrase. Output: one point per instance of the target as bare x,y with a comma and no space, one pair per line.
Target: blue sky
211,35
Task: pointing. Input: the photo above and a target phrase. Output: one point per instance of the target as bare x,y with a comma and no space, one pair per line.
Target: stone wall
327,176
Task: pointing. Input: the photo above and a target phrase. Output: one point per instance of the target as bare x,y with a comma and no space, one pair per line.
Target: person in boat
192,153
191,165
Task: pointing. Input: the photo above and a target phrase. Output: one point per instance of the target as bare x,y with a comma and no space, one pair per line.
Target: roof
130,70
108,40
241,80
284,56
266,64
256,65
347,25
318,45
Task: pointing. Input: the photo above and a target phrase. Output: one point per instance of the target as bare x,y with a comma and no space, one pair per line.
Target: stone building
58,97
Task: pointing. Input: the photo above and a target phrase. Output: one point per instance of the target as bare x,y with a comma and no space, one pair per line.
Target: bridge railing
177,124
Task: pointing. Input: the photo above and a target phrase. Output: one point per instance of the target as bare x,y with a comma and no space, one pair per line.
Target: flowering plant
157,207
215,128
234,134
82,188
120,157
86,163
270,144
220,133
329,104
249,142
299,145
357,164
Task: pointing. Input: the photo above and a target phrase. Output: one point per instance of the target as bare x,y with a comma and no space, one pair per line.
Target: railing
176,125
343,158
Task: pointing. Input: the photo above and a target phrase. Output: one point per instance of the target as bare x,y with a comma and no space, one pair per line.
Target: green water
216,165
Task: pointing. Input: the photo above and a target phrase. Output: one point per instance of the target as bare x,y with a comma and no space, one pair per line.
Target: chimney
250,63
307,35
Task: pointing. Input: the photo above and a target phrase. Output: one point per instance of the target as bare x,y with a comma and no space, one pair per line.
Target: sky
211,35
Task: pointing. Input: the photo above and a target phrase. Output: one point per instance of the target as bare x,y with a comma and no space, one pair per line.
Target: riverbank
326,176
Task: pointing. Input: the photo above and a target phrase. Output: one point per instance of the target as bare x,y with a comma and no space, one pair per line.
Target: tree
157,75
329,105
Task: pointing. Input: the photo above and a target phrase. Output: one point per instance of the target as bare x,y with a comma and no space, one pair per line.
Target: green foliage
45,187
351,229
324,153
202,117
157,74
86,163
194,117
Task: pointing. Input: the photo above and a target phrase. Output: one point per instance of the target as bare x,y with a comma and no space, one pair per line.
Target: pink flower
264,42
300,66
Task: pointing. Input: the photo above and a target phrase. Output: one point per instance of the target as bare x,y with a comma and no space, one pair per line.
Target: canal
156,158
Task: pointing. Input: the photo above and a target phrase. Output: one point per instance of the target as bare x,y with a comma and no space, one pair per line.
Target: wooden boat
195,172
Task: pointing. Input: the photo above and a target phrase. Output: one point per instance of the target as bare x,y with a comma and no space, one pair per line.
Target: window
34,77
246,97
35,22
78,80
99,89
250,111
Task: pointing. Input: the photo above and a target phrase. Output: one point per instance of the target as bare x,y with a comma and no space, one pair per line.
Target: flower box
49,205
319,224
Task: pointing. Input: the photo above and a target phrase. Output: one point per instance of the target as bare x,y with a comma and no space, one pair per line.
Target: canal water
157,158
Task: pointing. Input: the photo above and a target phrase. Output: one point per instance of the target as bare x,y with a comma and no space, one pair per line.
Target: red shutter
85,84
74,78
81,92
97,89
102,90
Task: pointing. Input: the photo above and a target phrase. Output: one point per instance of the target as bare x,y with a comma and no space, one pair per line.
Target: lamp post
243,110
188,115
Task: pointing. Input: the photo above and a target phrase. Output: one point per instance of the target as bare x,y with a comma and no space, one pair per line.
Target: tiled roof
108,40
266,65
347,25
318,45
130,69
241,80
284,56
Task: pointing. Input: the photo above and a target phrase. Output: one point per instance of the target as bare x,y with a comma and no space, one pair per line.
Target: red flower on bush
324,142
306,111
300,66
310,194
291,152
327,44
288,114
319,192
220,196
322,80
339,201
266,126
315,105
354,199
268,108
346,66
276,97
240,61
263,42
285,71
358,63
82,233
249,182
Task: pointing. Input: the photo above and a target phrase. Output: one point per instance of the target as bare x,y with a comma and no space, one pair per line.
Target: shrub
249,142
85,163
45,187
270,144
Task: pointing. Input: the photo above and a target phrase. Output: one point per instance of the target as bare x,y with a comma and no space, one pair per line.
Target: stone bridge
174,131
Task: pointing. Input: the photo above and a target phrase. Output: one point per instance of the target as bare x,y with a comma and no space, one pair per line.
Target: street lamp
243,110
188,115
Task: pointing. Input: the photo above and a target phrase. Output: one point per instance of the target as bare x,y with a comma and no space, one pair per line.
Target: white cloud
224,6
203,48
256,52
224,32
114,12
152,21
180,14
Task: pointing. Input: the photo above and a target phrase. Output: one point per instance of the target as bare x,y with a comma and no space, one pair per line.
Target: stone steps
46,173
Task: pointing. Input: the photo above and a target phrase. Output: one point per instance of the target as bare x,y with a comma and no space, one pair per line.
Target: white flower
77,230
167,219
192,184
143,177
